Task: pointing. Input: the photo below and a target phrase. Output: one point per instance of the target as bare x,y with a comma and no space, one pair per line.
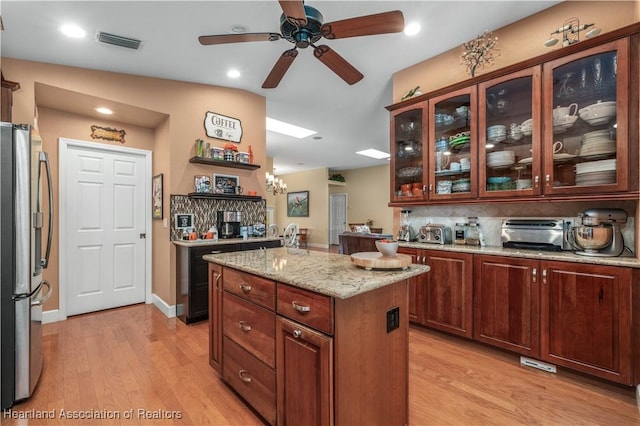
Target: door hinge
143,235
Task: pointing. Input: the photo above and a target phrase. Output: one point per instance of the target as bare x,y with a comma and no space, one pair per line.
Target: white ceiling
349,118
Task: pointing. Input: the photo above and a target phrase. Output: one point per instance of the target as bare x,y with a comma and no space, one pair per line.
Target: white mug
557,147
465,164
561,112
455,167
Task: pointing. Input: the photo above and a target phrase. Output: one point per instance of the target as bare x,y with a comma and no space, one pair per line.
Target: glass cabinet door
586,132
509,133
408,127
453,145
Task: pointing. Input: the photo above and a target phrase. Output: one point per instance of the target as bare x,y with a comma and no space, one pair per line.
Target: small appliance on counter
406,232
434,234
537,233
229,224
599,234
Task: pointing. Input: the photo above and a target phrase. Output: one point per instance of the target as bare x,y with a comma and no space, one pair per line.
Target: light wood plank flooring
135,358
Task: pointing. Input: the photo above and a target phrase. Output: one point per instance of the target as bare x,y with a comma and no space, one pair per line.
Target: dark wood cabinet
215,317
305,375
355,242
586,318
415,288
507,303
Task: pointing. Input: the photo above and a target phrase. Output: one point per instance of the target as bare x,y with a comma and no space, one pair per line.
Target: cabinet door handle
243,374
297,333
536,181
246,288
430,187
300,308
244,326
217,285
601,296
544,276
534,275
547,180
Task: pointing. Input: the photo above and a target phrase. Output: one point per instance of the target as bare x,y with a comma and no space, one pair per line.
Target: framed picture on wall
156,197
225,184
298,204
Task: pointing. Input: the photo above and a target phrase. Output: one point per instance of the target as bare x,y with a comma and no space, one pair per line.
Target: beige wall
516,42
173,140
314,181
367,192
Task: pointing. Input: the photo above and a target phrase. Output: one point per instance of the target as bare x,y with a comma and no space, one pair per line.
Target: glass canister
218,153
460,233
242,157
473,235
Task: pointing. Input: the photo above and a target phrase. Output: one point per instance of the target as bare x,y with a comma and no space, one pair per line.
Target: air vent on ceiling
116,40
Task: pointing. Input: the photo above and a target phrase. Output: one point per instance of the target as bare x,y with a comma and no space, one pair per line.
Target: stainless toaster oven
434,234
537,233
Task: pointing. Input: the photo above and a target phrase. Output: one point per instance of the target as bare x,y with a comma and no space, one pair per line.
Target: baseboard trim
50,316
168,310
316,245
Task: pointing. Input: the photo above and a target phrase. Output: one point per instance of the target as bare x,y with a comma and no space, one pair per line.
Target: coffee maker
228,223
599,234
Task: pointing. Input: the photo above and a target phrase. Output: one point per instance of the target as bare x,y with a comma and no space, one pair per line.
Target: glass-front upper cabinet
408,130
509,134
585,107
453,145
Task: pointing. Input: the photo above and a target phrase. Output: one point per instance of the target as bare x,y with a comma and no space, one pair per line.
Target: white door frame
63,145
331,217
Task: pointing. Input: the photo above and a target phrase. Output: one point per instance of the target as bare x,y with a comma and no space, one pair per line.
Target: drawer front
252,379
305,307
252,327
255,289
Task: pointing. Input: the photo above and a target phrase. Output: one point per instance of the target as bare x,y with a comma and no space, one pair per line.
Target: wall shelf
336,183
224,196
222,163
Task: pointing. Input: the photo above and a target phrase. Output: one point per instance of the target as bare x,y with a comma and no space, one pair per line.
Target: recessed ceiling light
103,110
73,31
317,138
288,129
238,29
412,29
374,153
233,74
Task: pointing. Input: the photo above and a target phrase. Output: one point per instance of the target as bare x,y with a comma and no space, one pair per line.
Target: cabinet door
416,284
586,318
453,144
304,375
586,108
507,302
509,134
215,317
448,298
408,152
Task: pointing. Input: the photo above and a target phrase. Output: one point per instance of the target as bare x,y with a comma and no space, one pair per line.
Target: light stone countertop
563,256
196,243
325,273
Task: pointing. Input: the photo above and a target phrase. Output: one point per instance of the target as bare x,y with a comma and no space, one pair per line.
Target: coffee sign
221,127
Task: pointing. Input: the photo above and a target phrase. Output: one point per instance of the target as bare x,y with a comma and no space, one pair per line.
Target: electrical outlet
393,319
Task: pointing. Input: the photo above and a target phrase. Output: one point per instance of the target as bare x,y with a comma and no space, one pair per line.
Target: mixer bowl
592,237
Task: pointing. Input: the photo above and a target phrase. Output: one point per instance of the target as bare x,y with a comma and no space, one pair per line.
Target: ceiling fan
303,26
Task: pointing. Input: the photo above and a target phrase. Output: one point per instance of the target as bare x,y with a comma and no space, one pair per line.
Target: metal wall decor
479,52
221,127
107,134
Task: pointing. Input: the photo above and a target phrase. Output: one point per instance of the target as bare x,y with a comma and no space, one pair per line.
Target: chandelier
570,31
275,185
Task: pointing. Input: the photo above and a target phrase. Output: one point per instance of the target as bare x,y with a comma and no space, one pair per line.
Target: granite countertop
325,273
566,256
195,243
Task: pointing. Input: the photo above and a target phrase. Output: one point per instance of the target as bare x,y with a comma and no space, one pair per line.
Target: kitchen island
307,337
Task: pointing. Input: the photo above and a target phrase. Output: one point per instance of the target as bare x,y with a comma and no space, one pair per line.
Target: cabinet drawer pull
297,333
544,276
300,308
244,326
246,288
534,275
243,375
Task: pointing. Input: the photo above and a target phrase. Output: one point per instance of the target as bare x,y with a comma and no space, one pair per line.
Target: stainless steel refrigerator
23,167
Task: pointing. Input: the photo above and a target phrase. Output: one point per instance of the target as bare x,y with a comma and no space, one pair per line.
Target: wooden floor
134,358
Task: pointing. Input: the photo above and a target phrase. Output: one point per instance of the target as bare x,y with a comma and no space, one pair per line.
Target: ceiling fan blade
337,64
237,38
294,11
380,23
279,69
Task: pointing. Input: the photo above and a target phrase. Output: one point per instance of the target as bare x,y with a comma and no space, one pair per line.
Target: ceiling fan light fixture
233,73
238,29
412,28
73,31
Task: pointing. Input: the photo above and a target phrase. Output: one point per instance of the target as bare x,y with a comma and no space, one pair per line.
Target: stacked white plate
597,144
498,159
601,172
497,133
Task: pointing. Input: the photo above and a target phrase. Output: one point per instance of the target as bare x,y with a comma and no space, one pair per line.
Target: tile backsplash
490,215
204,211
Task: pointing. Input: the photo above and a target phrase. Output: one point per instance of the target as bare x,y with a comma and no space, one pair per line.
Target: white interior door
337,216
104,208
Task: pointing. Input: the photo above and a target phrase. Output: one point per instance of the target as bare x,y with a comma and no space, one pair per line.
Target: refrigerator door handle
44,158
45,297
